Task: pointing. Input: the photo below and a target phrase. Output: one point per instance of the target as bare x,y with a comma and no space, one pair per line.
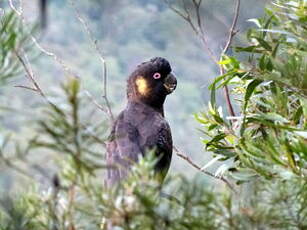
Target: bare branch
90,96
184,16
196,27
67,69
232,31
198,17
36,43
191,162
101,57
231,34
14,8
26,87
30,75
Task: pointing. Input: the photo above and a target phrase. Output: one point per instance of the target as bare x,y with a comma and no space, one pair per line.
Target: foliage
125,41
12,36
268,138
75,197
266,145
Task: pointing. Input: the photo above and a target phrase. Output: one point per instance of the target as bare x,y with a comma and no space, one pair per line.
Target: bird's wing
156,134
123,149
164,145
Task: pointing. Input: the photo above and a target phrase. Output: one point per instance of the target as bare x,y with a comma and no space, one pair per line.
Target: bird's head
151,82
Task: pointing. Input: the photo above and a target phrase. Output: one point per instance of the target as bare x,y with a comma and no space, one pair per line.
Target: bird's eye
157,76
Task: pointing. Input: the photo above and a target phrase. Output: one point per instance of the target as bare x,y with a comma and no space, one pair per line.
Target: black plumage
141,125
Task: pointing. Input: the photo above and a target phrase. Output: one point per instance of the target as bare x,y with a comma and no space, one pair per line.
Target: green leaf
262,62
213,96
224,62
220,78
243,174
263,43
275,117
249,49
255,21
267,24
250,90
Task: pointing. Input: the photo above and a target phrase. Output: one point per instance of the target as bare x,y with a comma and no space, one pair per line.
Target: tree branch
196,27
14,8
101,57
200,32
231,34
90,96
232,31
30,75
36,43
191,162
62,63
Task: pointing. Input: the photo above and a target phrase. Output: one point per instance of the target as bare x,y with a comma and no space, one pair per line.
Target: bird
141,126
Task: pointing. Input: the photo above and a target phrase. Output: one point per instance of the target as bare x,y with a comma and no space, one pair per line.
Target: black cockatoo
141,125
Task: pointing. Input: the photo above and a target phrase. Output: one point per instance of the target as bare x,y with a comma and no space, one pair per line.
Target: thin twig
30,75
38,45
26,87
101,57
232,30
14,8
201,30
231,34
63,65
197,28
90,96
198,17
191,162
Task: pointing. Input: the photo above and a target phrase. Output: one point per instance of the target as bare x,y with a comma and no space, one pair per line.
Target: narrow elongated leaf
250,90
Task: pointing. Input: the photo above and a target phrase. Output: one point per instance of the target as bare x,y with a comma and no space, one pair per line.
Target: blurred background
128,32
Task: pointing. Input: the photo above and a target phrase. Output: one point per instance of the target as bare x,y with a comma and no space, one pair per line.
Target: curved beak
170,83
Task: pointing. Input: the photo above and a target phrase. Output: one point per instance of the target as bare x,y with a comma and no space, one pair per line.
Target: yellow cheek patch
141,85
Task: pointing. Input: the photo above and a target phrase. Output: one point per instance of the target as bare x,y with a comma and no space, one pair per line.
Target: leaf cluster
12,36
75,196
268,137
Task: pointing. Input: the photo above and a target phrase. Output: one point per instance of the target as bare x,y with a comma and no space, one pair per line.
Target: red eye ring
157,76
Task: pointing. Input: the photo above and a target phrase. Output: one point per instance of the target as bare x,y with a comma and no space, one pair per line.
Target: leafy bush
268,138
266,146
